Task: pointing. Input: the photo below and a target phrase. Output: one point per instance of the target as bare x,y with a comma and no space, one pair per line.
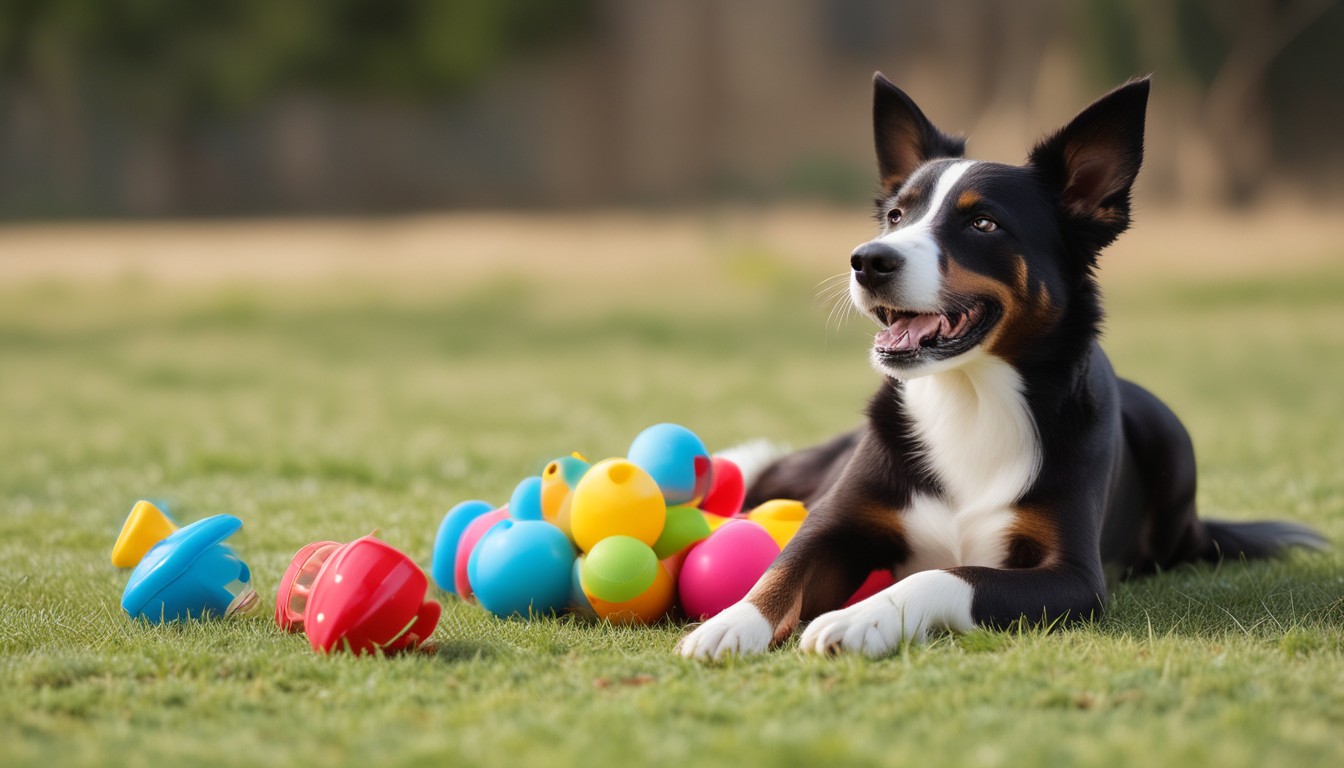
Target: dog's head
984,258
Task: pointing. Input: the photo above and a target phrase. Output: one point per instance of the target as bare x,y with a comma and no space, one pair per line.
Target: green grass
332,412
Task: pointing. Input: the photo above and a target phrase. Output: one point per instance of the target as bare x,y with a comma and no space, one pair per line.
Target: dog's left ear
1094,160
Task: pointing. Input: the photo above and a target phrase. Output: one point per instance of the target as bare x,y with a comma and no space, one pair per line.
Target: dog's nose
874,263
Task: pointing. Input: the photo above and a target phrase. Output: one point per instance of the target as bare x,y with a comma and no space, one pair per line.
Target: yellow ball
781,518
616,498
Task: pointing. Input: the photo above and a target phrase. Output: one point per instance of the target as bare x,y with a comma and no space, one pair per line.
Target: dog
1004,473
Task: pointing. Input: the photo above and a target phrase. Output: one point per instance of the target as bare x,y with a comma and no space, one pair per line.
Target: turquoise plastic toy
188,574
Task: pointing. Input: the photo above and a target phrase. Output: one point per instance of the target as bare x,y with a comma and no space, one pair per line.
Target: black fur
1115,492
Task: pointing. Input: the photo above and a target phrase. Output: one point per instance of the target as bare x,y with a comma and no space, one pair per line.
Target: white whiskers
834,290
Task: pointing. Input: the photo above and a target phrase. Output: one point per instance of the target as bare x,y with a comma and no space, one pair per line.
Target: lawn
368,398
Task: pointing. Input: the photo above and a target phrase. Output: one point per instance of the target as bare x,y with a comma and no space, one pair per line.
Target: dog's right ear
905,138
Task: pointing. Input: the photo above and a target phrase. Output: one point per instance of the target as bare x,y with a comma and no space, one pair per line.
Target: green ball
685,526
618,568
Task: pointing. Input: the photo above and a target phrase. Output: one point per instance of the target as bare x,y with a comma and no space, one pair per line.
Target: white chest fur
980,441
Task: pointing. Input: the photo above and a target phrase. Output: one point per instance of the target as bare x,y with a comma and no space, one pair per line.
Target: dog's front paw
906,611
872,627
739,630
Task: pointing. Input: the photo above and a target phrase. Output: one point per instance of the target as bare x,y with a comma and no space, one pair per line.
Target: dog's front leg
958,599
753,624
812,575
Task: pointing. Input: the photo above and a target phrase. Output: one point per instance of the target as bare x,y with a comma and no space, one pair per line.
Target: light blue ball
522,568
668,452
525,504
445,543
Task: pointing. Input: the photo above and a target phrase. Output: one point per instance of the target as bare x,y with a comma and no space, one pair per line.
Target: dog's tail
754,456
1257,540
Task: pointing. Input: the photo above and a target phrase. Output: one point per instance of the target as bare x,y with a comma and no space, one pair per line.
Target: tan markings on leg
779,598
1033,539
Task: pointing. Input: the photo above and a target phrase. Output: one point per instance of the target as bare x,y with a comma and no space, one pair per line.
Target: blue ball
669,452
445,543
522,568
525,504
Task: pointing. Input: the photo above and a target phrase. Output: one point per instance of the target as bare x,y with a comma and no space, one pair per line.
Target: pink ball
723,568
475,530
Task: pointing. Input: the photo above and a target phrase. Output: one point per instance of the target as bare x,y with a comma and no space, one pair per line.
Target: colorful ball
781,517
618,568
525,503
728,489
645,608
676,459
522,568
558,479
442,565
616,498
578,601
470,537
723,568
684,527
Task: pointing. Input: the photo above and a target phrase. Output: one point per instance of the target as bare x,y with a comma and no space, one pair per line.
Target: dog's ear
905,137
1092,162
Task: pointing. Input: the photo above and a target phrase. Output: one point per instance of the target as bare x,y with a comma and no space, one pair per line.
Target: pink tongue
908,332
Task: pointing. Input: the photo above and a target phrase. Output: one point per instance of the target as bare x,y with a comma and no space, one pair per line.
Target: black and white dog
1004,472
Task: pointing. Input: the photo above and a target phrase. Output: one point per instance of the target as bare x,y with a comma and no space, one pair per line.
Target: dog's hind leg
804,475
1162,456
1172,533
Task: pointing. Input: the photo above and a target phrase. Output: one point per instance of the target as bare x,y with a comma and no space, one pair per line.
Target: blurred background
163,108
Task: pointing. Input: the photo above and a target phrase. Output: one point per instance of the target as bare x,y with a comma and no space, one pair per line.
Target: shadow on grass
461,650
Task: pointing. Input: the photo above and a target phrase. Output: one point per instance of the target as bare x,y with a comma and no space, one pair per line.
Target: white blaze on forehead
920,281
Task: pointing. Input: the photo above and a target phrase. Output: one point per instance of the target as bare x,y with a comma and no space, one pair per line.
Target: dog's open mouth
908,334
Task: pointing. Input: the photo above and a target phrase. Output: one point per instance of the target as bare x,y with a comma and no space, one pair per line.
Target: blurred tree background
170,108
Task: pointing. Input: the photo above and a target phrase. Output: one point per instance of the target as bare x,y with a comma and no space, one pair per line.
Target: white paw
740,630
905,611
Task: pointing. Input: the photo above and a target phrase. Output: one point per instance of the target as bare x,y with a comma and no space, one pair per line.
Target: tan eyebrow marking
969,199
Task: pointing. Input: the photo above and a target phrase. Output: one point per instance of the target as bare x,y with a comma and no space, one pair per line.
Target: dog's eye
894,216
985,224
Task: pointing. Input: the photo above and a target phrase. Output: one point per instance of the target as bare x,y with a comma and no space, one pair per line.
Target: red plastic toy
361,597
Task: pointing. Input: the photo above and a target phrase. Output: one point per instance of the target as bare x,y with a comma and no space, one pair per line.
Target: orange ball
647,608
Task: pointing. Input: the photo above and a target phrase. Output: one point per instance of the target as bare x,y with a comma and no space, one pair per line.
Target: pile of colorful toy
624,539
629,540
